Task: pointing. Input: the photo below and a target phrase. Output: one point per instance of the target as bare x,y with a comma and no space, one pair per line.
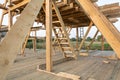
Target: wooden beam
49,35
12,42
88,47
108,30
86,34
10,22
102,43
34,43
24,44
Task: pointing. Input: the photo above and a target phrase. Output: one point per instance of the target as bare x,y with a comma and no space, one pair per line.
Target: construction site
60,60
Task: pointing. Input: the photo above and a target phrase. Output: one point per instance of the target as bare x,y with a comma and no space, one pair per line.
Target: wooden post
9,16
34,43
2,16
49,35
102,43
1,19
12,42
77,38
24,44
91,23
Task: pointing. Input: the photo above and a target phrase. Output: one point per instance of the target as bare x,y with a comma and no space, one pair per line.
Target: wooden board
103,24
85,67
67,75
10,46
40,75
49,35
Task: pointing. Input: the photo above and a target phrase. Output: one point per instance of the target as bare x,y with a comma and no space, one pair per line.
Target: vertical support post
9,16
102,43
49,35
77,38
2,16
34,43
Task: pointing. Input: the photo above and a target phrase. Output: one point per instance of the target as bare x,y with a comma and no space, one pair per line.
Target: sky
73,34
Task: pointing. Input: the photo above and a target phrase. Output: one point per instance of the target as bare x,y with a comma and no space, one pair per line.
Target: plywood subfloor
86,67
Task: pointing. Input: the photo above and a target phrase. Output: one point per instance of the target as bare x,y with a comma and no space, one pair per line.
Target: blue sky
100,2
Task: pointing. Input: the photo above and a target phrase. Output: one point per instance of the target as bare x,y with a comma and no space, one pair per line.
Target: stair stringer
63,28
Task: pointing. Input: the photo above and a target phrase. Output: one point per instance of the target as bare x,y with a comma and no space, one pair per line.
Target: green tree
99,37
88,39
73,39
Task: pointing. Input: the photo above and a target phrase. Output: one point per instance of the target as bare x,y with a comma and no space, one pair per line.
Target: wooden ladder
62,35
56,43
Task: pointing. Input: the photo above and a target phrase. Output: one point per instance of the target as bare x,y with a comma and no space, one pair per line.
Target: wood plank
93,39
103,24
10,19
86,34
41,75
67,75
10,46
77,38
25,43
49,35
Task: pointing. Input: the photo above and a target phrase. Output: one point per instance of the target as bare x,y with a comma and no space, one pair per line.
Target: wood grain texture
103,24
16,36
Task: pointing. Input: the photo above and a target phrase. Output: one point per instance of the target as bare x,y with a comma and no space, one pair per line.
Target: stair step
56,22
64,43
66,48
62,38
68,52
56,27
71,55
61,33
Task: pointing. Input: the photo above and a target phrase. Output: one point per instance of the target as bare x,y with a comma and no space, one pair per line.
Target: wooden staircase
62,35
